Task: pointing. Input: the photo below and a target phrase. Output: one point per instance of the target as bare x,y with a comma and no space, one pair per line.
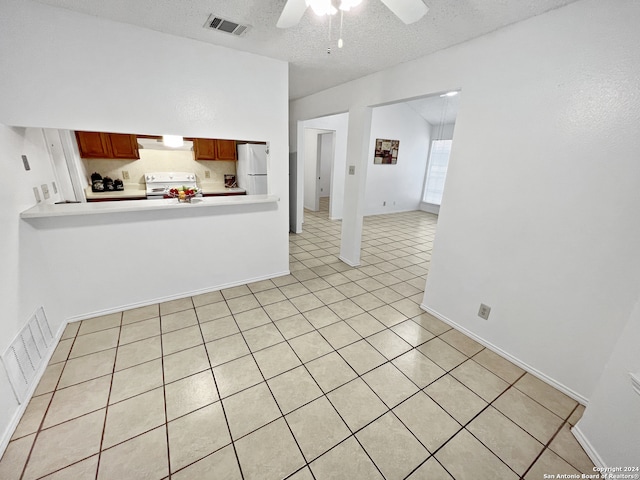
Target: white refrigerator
251,172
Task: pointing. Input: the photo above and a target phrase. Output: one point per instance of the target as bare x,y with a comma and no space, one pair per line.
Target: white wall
610,423
66,70
26,283
399,185
539,218
442,132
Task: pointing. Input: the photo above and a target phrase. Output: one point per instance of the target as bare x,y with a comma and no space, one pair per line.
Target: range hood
156,144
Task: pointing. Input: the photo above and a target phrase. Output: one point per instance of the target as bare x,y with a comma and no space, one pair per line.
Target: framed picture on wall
386,152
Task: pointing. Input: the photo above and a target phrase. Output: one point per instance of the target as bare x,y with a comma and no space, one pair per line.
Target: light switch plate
36,192
55,187
45,191
352,169
207,174
25,161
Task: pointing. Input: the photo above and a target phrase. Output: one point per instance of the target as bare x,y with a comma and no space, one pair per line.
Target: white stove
159,183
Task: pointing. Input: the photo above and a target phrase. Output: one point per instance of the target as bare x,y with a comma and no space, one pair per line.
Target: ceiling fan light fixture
346,5
322,7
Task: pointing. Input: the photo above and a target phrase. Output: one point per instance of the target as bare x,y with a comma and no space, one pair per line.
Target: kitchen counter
130,192
125,206
216,189
138,192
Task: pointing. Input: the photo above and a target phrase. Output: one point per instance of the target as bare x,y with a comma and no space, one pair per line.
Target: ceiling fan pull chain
329,47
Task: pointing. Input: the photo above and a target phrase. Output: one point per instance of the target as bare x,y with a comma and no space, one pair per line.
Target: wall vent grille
226,26
27,352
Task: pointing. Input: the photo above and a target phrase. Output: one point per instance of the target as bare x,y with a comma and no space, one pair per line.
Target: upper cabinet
213,149
107,145
124,145
204,149
226,149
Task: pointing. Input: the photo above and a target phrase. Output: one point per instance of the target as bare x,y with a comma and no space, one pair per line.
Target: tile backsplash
160,161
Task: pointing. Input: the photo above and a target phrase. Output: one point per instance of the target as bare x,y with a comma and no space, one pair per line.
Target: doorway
325,161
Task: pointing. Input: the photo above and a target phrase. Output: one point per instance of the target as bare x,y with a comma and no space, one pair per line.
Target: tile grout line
106,410
164,395
273,397
215,383
547,446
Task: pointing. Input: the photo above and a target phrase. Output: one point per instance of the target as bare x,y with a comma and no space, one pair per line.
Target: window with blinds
437,171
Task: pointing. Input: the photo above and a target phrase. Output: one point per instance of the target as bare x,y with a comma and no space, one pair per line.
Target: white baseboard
13,424
588,447
429,208
533,371
348,262
130,306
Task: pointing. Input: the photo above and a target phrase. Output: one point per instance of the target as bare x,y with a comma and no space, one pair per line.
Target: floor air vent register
26,354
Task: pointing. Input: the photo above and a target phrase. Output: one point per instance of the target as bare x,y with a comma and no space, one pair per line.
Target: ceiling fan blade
409,11
291,13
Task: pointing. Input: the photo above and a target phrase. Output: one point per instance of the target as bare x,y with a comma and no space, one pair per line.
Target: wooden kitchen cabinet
204,149
124,145
93,144
226,149
107,145
214,149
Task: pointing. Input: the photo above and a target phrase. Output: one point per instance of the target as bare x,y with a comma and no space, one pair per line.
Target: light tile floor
330,372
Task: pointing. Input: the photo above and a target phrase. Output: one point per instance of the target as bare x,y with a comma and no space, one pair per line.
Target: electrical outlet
352,169
36,193
45,191
484,311
207,174
125,174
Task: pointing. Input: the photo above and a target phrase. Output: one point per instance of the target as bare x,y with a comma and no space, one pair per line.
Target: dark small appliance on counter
97,185
108,184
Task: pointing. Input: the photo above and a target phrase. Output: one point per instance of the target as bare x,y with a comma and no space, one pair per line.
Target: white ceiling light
409,11
346,5
173,141
322,7
450,94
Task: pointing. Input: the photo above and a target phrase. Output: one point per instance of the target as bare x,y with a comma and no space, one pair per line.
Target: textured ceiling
374,38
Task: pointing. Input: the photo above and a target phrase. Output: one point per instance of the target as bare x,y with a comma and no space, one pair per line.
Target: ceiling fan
409,11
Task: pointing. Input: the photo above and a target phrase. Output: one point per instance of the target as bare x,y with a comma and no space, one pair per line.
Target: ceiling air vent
227,26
